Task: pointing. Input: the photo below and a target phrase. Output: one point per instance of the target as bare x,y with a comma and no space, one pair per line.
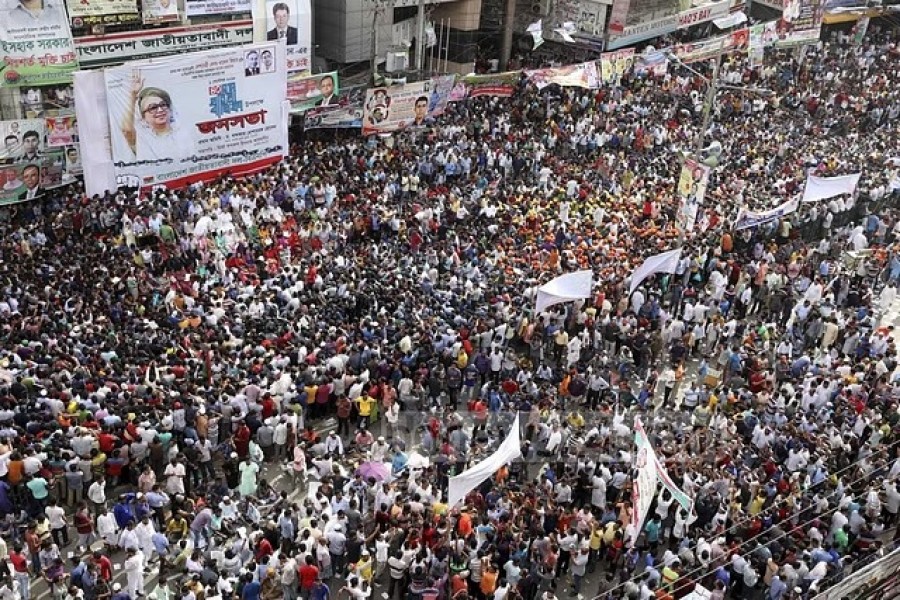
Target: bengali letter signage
193,117
288,22
29,165
96,51
94,8
36,47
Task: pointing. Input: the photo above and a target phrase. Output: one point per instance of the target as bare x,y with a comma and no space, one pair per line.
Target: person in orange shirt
464,524
15,469
488,578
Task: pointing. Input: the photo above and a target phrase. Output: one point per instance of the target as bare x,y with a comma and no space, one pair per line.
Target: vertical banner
645,480
61,131
94,155
691,191
197,116
801,22
288,21
860,29
407,106
762,36
35,43
618,16
308,91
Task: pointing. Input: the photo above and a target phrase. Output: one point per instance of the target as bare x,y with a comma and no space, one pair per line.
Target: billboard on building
193,117
36,47
401,107
288,21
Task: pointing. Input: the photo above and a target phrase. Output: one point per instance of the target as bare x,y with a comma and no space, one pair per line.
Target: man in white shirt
58,523
97,495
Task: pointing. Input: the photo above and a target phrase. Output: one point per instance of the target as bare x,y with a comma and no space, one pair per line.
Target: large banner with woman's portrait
197,116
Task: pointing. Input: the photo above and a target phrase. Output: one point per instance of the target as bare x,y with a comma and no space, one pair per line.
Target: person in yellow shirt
364,405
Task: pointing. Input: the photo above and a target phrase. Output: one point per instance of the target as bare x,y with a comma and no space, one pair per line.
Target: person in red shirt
106,441
104,566
19,563
263,550
308,574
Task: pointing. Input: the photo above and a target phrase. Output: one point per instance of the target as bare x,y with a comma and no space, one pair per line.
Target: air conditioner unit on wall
396,62
540,8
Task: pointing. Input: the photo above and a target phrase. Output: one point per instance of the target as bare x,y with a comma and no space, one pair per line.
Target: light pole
376,21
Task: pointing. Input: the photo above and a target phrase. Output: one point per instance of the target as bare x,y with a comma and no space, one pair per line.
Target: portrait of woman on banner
150,124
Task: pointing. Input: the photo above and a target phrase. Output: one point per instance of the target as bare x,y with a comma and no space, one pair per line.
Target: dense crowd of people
162,351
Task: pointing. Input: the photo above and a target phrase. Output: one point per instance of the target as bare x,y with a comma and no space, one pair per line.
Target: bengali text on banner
192,117
408,106
94,8
36,50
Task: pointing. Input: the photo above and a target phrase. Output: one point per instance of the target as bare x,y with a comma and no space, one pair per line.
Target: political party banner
406,106
193,117
762,36
37,48
614,65
334,117
582,75
440,95
288,21
25,181
23,140
93,8
801,22
159,11
72,166
736,41
501,85
645,480
216,7
95,51
81,24
308,91
691,190
747,218
459,92
653,64
61,131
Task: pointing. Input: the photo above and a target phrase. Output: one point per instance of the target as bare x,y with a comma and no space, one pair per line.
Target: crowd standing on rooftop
162,351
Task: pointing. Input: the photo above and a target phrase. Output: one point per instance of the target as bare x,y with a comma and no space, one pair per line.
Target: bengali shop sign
95,51
36,49
195,8
192,117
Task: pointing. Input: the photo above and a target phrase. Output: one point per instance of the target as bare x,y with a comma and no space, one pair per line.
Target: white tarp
565,288
821,188
665,262
469,479
93,127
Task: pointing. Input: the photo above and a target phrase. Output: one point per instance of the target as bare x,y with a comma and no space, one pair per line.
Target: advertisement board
193,117
195,8
37,48
401,107
334,117
308,91
288,21
93,8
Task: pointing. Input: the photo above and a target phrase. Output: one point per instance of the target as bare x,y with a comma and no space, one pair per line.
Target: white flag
536,30
565,288
821,188
469,479
666,262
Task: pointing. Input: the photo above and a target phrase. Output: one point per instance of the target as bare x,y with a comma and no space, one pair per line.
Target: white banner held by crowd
469,479
747,218
565,288
665,262
822,188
